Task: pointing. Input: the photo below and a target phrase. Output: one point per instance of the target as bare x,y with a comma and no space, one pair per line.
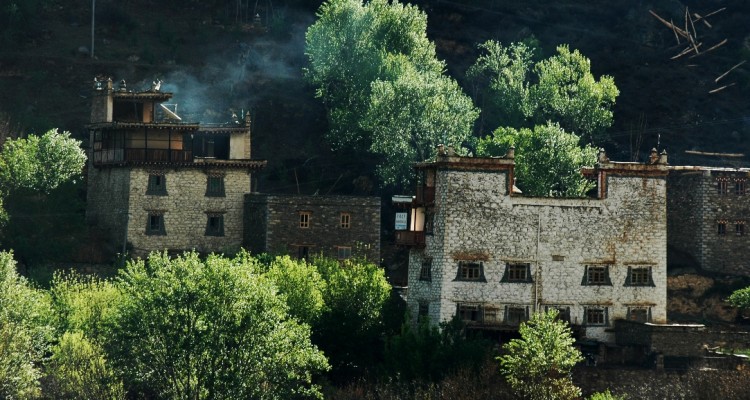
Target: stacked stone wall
107,201
256,223
186,209
685,208
475,220
324,234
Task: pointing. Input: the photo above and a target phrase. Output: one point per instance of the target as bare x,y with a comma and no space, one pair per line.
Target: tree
525,92
350,328
740,298
41,163
370,60
214,328
548,159
537,366
25,332
301,285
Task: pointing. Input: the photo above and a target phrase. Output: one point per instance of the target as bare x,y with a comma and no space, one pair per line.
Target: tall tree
537,366
363,58
199,329
548,159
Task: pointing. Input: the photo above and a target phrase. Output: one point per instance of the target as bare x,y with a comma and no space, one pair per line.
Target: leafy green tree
301,285
606,395
41,163
83,304
214,328
350,329
409,116
25,332
740,298
525,92
537,366
384,88
548,159
78,370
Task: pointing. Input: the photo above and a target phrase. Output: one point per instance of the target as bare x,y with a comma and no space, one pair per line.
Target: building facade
481,251
158,183
708,211
302,226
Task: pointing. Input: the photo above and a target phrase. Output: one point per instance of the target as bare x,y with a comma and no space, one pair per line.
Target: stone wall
696,207
324,235
476,220
186,209
107,202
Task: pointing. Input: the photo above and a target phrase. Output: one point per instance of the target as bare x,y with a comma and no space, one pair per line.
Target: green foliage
429,353
350,329
301,285
740,298
83,304
523,93
537,366
188,328
25,332
409,116
606,395
41,163
78,370
548,159
385,91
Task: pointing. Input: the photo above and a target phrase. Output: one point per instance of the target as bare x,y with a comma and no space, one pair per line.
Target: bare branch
730,70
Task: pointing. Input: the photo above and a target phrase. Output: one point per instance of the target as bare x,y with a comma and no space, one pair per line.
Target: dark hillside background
218,58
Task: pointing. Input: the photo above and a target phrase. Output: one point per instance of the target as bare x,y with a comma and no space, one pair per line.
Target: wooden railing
410,238
142,155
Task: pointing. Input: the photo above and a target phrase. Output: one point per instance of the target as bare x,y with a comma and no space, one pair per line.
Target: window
215,225
346,220
157,185
155,224
303,252
491,315
596,315
215,186
722,186
423,311
425,273
344,252
429,223
470,271
639,276
596,275
469,312
640,314
517,273
516,315
563,312
739,187
304,219
739,228
721,228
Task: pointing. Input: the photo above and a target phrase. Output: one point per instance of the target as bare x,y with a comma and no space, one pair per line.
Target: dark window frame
722,186
423,311
563,312
157,185
520,314
215,186
345,220
470,271
214,224
473,310
425,271
721,228
739,228
305,219
155,224
633,316
739,187
347,250
640,276
596,275
600,313
513,273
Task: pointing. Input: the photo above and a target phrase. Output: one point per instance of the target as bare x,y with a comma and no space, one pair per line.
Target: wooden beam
722,88
707,153
723,42
730,70
667,23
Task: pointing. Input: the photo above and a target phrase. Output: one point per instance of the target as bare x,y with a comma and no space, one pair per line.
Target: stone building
707,214
301,226
156,182
482,251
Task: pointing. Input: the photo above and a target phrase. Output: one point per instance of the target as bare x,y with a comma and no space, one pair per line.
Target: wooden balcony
141,155
425,195
410,238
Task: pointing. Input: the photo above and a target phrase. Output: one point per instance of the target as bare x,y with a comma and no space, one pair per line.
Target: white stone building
492,256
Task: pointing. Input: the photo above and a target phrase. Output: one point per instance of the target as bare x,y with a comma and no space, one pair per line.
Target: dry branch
721,88
699,18
676,36
669,24
706,153
687,50
723,42
730,70
715,12
687,17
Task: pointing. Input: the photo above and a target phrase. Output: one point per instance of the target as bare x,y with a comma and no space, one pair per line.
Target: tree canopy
386,94
548,159
537,366
740,298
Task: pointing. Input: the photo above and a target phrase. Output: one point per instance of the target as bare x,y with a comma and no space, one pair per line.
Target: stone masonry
477,222
708,210
273,224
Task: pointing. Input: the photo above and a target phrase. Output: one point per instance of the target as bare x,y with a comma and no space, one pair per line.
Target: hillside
217,58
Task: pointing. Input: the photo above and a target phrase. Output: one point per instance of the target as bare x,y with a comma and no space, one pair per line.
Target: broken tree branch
721,88
699,18
687,50
723,42
715,12
667,23
687,16
676,36
728,71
